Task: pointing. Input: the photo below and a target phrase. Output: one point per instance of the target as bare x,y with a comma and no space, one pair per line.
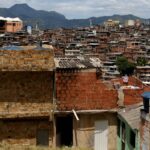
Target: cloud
88,8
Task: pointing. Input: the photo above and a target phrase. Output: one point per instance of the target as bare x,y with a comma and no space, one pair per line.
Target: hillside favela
75,75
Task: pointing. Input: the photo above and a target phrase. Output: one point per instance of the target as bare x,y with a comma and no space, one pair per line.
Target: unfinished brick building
26,96
85,105
71,106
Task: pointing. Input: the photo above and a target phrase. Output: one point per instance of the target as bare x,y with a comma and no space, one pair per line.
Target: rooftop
78,62
10,19
131,115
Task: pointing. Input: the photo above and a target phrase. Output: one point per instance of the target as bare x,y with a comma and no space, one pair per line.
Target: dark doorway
42,137
64,130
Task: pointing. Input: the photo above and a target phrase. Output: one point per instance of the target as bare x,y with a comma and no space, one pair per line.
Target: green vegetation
124,66
141,61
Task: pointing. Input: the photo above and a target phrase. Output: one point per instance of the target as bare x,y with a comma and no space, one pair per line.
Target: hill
52,19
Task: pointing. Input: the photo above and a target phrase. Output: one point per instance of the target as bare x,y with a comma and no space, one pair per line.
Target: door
101,135
64,130
43,137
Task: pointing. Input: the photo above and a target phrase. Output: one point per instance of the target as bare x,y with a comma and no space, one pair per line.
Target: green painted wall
128,146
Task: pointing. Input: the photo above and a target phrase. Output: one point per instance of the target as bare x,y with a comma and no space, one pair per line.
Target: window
146,105
42,137
132,139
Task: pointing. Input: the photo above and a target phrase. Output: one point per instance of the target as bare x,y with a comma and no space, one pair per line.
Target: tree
141,61
124,66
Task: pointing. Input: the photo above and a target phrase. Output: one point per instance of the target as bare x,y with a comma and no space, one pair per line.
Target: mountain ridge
53,19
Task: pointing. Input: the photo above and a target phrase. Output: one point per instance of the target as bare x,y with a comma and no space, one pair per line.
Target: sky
87,8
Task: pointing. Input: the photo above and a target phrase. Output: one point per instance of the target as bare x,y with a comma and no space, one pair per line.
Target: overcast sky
87,8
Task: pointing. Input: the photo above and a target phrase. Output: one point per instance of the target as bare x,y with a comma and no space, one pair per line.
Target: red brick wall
82,90
132,96
132,81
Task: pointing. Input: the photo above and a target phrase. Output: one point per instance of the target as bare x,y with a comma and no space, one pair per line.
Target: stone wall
25,94
23,132
81,90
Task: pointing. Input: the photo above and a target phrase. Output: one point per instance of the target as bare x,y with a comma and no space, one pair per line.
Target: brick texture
132,96
25,94
82,90
26,60
23,131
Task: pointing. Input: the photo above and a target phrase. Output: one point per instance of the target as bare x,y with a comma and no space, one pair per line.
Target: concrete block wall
25,93
26,60
24,131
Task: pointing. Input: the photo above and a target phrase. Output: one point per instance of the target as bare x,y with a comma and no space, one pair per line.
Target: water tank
29,29
146,101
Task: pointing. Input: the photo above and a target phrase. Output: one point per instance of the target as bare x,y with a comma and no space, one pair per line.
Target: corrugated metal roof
77,62
132,115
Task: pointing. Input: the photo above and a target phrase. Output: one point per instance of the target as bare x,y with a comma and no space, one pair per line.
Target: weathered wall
128,129
83,90
132,96
26,60
145,134
23,131
13,26
25,93
84,130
